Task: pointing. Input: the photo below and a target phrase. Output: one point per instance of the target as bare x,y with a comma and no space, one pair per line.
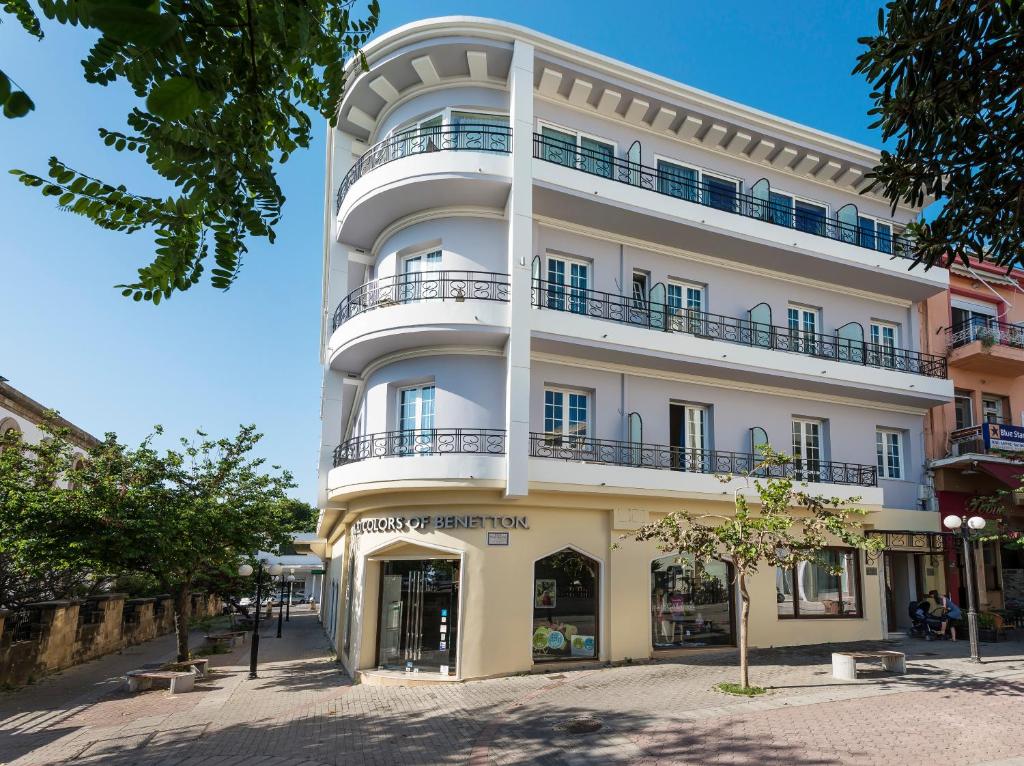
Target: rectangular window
889,451
689,432
677,180
992,410
566,415
807,449
810,217
641,289
597,157
416,419
874,234
686,307
572,149
803,329
568,284
884,341
964,408
415,284
781,209
829,589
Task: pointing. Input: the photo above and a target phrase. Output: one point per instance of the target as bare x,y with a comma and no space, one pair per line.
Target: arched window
691,603
8,425
566,591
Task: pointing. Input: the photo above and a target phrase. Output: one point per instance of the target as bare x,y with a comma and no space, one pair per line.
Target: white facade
525,240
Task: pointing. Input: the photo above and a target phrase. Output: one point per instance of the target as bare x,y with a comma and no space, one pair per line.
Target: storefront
474,592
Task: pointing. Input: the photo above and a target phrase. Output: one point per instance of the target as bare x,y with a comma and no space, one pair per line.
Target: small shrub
741,691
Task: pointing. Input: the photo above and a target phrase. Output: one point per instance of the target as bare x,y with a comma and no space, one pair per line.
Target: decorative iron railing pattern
988,331
425,441
475,137
716,196
663,457
422,286
665,318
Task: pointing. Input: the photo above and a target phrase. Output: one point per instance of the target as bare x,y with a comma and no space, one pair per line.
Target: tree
303,515
948,85
186,516
225,91
791,526
36,563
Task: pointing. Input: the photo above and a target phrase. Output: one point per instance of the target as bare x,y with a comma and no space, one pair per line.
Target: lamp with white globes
965,526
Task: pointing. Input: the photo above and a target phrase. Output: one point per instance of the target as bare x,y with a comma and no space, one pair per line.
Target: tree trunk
182,613
741,581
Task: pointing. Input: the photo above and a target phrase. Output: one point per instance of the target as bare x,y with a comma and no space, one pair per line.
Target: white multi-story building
560,295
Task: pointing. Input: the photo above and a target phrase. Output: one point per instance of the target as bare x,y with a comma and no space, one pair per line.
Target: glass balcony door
416,420
568,283
807,449
412,287
803,329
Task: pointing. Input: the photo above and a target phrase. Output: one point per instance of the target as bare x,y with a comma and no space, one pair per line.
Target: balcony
666,208
660,317
667,458
476,314
454,286
419,170
985,345
433,457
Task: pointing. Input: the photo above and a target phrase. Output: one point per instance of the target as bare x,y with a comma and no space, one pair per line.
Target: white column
335,287
520,255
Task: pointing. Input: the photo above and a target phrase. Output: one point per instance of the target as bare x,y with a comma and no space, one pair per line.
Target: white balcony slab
620,208
415,473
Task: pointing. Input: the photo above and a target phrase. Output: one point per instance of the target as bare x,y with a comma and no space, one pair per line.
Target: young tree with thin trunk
786,526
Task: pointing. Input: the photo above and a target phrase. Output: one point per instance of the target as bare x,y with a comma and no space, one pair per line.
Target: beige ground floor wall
497,582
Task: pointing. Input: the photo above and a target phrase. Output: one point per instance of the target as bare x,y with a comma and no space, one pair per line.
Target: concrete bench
197,665
233,638
844,664
139,680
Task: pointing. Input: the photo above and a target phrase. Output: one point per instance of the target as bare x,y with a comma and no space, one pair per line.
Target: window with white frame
807,448
568,283
993,408
572,148
797,213
414,284
874,233
885,339
477,129
641,288
566,415
685,306
803,322
889,451
963,406
697,185
416,418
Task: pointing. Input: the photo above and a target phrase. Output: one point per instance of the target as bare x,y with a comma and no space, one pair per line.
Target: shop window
347,644
691,603
812,590
565,598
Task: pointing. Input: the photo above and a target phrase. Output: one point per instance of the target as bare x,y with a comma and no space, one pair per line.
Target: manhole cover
579,725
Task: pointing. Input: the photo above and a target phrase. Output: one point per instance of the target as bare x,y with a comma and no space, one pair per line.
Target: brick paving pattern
303,711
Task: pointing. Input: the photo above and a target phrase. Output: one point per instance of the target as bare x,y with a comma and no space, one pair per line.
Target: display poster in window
582,646
544,594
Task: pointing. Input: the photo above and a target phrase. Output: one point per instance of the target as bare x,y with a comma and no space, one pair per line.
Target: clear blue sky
216,360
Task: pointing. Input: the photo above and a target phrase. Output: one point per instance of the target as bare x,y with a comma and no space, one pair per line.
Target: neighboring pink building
971,443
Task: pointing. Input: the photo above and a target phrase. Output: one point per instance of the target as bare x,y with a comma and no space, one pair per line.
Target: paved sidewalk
303,711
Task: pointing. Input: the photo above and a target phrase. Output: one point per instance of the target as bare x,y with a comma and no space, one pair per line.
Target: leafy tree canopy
224,90
948,85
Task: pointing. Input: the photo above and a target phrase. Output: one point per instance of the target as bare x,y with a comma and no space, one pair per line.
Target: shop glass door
418,615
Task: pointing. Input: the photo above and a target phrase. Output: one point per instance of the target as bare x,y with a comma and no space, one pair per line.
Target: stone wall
50,636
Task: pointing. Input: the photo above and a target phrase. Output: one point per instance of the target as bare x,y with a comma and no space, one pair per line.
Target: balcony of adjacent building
416,310
657,328
670,202
985,345
452,160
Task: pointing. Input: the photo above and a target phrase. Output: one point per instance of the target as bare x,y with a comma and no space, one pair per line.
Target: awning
1007,473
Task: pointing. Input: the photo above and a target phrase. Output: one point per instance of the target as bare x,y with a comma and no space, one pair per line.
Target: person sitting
951,613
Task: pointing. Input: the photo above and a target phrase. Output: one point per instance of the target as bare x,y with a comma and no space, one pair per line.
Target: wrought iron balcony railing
988,331
424,441
475,137
666,318
667,458
454,286
760,206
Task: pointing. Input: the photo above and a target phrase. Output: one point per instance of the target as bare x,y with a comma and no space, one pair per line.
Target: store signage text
426,523
1004,437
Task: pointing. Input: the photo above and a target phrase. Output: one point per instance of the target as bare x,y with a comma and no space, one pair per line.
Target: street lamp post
288,606
965,525
245,570
280,603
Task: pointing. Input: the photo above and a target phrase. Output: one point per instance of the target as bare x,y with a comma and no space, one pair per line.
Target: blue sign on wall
1000,436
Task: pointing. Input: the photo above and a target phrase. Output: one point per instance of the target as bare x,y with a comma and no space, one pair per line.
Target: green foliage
740,691
303,515
948,85
225,94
